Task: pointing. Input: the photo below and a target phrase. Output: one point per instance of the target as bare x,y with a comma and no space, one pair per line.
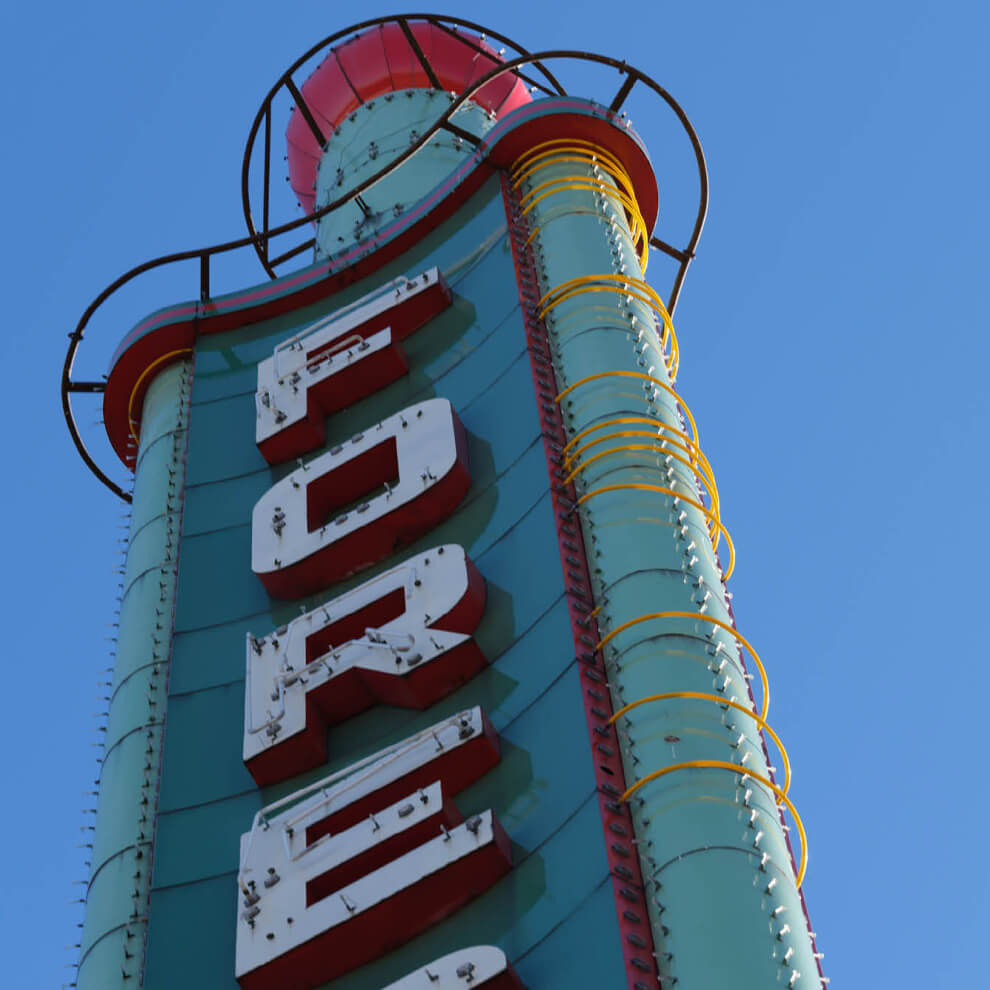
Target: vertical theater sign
427,673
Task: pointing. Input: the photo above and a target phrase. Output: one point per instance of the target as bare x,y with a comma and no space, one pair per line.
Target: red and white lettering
354,505
480,966
338,360
402,638
336,875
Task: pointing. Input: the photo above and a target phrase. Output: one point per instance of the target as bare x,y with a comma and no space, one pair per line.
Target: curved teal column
114,931
725,907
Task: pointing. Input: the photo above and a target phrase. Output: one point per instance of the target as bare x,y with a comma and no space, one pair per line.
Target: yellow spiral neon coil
576,151
725,702
622,285
660,435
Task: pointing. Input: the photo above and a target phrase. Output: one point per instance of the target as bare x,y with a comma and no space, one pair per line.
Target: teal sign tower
427,674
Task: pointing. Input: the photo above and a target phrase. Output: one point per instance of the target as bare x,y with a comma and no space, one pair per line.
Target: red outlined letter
338,360
402,638
354,505
338,874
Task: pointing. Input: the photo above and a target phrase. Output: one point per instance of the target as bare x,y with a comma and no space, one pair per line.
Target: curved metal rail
259,240
263,118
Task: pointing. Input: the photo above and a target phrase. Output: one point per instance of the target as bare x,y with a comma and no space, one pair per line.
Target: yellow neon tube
697,457
615,318
703,509
629,288
712,491
623,420
702,696
629,280
715,622
551,215
580,182
617,174
624,285
782,798
671,357
681,443
558,145
131,422
643,377
637,231
563,146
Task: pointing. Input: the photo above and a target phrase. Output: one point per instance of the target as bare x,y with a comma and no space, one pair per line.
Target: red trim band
178,327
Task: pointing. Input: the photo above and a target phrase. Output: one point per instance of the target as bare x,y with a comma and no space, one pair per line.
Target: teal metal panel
203,748
188,940
215,579
204,841
543,789
222,504
553,962
223,644
216,459
545,799
384,128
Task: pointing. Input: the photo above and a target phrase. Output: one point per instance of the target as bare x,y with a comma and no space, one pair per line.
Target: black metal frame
259,240
263,117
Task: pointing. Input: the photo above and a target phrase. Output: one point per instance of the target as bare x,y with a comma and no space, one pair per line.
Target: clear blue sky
833,348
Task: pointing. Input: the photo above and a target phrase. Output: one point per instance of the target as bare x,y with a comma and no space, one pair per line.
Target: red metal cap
380,61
